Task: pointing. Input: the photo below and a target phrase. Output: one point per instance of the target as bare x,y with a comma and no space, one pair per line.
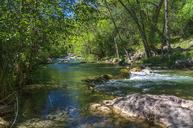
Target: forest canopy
32,31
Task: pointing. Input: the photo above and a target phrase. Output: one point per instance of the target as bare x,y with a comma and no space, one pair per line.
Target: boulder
136,69
163,110
98,80
124,73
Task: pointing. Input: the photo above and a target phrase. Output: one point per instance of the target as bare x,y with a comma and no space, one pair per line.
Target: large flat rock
166,111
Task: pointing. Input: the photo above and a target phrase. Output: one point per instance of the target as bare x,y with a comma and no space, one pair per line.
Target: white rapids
145,80
149,75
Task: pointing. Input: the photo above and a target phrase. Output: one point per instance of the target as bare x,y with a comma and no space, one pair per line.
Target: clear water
74,97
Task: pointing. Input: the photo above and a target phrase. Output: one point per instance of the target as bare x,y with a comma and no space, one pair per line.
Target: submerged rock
41,86
166,111
38,123
54,120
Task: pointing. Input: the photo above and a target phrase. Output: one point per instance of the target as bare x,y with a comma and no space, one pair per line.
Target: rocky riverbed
163,110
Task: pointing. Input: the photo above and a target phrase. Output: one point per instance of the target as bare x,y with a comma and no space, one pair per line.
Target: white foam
148,75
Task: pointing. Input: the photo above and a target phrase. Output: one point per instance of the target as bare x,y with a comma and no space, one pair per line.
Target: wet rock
136,69
3,123
166,111
98,80
124,73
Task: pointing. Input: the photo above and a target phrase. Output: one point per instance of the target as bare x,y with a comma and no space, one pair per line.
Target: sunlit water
74,97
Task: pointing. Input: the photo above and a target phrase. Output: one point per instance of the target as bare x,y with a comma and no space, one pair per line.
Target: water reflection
62,100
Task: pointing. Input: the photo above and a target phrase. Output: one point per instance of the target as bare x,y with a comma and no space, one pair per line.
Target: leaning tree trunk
140,25
116,29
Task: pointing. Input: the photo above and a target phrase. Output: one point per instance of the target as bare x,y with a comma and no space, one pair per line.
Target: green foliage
186,12
32,30
28,31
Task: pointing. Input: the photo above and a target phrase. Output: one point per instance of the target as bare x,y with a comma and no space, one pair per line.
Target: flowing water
73,96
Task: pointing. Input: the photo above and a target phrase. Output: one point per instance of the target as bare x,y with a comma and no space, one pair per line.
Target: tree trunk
116,48
140,25
127,55
166,30
153,27
116,29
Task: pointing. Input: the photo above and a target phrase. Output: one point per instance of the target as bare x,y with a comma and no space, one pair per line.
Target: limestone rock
166,111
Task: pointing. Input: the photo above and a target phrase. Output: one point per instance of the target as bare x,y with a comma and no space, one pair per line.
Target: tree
166,27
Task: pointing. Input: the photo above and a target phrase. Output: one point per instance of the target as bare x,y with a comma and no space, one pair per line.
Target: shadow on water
72,96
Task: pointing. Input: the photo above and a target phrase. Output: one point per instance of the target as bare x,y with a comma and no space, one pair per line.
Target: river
74,97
